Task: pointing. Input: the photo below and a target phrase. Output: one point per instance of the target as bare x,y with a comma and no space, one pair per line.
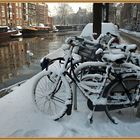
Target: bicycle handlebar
79,41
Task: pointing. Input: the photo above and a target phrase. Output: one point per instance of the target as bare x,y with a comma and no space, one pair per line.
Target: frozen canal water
16,63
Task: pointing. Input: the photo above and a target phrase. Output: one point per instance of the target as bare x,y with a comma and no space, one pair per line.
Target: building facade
24,14
32,14
3,14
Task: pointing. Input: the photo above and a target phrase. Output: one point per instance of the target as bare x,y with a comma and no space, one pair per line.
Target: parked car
106,28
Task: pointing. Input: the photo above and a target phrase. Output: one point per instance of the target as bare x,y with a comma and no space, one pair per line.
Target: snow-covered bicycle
111,84
53,94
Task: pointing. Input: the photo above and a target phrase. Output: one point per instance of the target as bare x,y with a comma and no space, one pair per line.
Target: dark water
16,64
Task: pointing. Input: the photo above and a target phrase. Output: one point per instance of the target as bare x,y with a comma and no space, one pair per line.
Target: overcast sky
75,6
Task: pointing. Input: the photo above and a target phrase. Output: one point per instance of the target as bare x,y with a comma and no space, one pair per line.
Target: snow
106,27
113,57
20,117
134,33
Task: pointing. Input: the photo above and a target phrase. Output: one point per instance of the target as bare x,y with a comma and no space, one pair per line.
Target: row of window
3,22
9,13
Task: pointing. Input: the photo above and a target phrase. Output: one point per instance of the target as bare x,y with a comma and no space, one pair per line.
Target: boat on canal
18,34
35,30
5,32
62,28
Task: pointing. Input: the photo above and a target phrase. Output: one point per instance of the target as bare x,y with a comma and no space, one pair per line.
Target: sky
75,7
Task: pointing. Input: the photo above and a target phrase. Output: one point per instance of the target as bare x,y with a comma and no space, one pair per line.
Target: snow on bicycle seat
127,47
112,57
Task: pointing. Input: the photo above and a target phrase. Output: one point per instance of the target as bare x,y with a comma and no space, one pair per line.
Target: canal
20,57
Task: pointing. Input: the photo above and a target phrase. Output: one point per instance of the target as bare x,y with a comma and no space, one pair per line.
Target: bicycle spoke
58,99
50,95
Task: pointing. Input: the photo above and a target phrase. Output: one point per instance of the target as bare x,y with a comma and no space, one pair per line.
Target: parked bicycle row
106,73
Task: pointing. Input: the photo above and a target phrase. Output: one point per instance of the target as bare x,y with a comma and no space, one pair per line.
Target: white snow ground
20,118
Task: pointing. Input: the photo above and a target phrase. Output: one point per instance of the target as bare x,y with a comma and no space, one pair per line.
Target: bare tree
62,11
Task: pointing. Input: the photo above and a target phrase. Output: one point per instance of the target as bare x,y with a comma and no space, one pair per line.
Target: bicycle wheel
117,97
52,95
90,77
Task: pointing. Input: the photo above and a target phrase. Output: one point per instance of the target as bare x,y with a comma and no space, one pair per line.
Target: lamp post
97,18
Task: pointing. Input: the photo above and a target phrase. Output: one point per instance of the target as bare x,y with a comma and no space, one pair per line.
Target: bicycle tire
115,89
52,102
131,82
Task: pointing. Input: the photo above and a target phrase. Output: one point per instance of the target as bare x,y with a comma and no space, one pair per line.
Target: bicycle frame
72,75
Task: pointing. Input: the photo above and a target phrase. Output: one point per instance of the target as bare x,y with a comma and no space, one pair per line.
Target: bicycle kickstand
109,116
90,116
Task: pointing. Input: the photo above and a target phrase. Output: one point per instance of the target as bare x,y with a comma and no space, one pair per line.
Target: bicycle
109,82
58,81
86,48
64,78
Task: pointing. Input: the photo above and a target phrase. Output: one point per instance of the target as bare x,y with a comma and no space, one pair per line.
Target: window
3,8
17,13
19,4
3,11
3,14
17,22
20,13
3,21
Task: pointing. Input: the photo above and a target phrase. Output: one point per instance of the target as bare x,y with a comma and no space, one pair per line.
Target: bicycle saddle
127,48
117,58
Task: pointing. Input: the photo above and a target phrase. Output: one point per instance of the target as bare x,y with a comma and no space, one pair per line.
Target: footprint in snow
31,133
18,132
23,133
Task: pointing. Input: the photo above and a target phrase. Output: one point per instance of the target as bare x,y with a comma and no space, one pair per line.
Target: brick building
24,14
3,14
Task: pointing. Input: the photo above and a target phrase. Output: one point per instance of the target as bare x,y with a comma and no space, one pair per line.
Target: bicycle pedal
69,109
90,117
91,120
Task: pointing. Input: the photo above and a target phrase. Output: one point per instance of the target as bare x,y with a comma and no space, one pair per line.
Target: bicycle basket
88,54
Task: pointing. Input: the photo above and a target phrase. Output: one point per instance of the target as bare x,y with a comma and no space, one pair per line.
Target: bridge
70,27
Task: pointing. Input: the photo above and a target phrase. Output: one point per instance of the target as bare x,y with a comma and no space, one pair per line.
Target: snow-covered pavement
136,34
20,118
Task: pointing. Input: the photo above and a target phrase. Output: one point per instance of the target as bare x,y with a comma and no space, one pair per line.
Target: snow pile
137,34
21,118
106,27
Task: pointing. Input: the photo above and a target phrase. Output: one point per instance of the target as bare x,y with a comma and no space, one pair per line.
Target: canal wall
131,38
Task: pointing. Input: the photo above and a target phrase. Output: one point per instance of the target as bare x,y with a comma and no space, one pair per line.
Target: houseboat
35,30
5,32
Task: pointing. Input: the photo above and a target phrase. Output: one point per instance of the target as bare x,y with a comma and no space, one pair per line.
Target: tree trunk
97,19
